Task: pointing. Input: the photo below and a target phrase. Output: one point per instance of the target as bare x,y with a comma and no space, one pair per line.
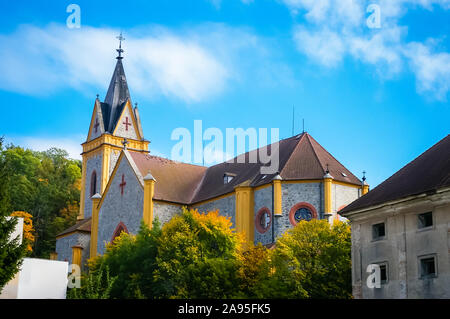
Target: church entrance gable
122,203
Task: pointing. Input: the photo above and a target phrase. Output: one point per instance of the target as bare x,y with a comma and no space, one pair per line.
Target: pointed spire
118,92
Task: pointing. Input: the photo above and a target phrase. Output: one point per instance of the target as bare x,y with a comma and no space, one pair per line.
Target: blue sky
375,98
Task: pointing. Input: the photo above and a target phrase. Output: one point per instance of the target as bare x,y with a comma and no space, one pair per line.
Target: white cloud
334,29
192,64
432,70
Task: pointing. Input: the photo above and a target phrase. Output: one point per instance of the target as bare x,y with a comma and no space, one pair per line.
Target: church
123,183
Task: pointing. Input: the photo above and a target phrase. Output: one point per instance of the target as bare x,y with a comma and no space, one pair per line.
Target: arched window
93,183
119,229
263,220
302,211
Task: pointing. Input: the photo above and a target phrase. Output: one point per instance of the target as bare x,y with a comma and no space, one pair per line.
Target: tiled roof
427,173
82,226
300,158
175,181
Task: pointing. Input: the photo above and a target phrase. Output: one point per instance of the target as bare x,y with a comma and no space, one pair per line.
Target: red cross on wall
126,123
96,125
122,185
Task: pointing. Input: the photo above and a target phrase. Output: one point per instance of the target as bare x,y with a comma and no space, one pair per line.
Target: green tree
46,185
197,257
313,260
11,251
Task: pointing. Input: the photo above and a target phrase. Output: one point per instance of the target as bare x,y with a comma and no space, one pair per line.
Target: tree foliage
11,251
198,255
47,186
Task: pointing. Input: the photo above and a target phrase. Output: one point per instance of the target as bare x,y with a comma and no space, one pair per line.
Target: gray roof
116,97
426,174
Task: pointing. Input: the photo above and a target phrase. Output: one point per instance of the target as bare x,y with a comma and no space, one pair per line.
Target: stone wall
92,163
165,212
128,131
264,198
225,205
342,196
116,208
294,193
64,247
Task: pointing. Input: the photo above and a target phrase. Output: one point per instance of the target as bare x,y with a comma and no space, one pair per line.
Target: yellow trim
54,256
68,234
365,189
130,110
346,184
105,167
76,256
300,181
111,140
83,189
327,195
159,201
113,173
94,112
212,199
245,212
94,227
277,198
149,192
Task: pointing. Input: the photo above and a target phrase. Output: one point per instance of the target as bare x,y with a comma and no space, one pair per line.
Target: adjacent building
403,226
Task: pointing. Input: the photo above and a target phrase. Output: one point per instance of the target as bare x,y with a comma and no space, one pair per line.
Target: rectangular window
425,220
383,273
378,231
428,267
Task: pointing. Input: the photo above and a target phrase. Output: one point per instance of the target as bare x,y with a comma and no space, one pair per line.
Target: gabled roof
300,158
175,181
426,174
81,226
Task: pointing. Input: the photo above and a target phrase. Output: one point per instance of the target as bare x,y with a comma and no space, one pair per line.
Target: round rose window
263,220
302,211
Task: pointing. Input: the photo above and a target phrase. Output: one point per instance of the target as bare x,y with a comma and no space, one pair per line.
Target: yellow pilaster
94,225
83,189
365,189
245,211
105,166
76,255
327,181
54,256
149,191
277,196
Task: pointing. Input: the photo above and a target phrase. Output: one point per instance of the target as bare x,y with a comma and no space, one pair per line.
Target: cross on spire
120,50
126,123
122,185
364,176
96,124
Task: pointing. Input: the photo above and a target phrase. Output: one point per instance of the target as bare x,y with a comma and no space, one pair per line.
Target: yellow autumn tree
27,228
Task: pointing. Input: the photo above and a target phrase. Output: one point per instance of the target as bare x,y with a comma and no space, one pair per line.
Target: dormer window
227,177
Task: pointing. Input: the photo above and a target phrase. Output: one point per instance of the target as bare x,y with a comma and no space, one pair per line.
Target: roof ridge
315,152
334,158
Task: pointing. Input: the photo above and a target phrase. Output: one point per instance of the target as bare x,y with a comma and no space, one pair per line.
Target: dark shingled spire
117,95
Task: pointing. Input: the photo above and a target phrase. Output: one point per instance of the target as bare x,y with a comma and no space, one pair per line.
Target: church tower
114,122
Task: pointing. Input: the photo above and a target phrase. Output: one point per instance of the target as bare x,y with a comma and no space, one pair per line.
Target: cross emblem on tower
126,123
96,125
120,50
122,185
